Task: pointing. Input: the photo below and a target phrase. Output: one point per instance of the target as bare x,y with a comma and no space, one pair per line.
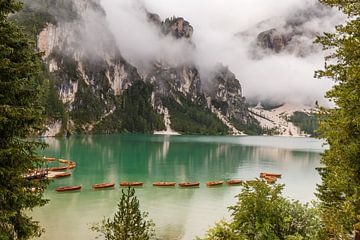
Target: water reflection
178,213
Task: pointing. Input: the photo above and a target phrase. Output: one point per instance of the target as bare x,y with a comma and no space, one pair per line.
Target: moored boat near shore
68,188
132,184
63,161
164,184
50,159
57,168
270,179
264,174
234,181
189,184
103,185
214,183
64,174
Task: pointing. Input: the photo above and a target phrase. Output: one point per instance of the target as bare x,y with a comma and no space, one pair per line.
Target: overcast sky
282,77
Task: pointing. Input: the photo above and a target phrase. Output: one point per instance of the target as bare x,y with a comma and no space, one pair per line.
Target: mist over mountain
178,67
227,32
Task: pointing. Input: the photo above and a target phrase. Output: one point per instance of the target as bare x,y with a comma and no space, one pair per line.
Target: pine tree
339,191
128,223
20,115
262,213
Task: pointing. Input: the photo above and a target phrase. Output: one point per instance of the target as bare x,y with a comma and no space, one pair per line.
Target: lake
177,213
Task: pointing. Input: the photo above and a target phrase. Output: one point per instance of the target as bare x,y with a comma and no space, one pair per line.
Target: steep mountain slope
286,119
91,88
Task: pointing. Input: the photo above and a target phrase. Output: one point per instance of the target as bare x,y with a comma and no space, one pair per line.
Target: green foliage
191,118
20,116
134,112
339,191
138,114
262,213
32,21
251,128
54,108
128,223
60,10
307,123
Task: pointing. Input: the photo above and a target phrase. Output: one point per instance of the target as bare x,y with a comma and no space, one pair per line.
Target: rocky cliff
96,90
293,34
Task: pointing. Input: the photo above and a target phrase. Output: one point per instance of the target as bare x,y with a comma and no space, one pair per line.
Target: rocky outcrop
226,95
170,81
177,27
273,40
293,34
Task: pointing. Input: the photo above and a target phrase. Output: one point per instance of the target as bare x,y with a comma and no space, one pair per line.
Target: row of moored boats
268,177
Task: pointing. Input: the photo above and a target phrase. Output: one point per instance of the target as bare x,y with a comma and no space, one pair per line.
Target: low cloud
217,24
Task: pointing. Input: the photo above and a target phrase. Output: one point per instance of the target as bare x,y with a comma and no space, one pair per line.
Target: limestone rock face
82,56
177,27
273,40
226,95
223,96
172,80
91,76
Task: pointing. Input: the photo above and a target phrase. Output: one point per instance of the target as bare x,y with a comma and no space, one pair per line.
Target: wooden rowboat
214,183
103,185
132,184
71,166
189,184
164,184
60,175
264,174
57,168
68,188
51,159
270,179
252,181
234,181
63,161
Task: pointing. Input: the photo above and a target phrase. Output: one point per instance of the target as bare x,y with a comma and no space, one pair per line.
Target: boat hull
68,188
234,182
215,183
131,184
189,184
264,174
103,185
61,175
164,184
57,168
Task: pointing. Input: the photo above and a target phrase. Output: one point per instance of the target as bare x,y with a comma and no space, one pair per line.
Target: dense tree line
339,191
20,117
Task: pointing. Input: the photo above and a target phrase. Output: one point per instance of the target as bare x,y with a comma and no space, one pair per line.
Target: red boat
164,184
189,184
68,188
63,161
103,185
60,175
234,181
264,174
270,179
50,159
57,168
214,183
133,184
71,166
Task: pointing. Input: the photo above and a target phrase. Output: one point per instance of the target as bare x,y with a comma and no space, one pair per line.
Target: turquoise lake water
177,213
